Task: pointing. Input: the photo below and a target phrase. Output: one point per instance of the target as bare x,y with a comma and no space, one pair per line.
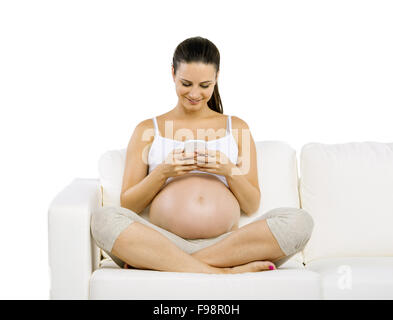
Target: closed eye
187,85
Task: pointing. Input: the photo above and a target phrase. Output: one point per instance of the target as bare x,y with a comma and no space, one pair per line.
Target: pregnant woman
196,169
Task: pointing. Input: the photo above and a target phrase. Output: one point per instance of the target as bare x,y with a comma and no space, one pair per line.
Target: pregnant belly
195,206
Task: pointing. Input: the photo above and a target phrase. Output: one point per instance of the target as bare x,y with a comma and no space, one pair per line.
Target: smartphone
200,146
195,146
189,147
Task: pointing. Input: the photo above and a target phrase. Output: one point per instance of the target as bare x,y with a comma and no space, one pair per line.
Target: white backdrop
76,77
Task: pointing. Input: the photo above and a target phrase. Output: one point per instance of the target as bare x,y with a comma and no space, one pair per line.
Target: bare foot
253,266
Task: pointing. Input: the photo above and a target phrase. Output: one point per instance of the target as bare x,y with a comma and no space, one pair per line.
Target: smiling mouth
193,100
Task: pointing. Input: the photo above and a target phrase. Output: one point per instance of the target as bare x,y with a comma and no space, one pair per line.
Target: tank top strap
229,125
155,126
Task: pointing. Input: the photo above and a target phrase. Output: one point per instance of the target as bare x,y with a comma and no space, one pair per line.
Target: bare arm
139,187
248,196
138,197
243,180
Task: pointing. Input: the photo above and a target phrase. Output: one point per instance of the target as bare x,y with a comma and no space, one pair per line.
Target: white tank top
162,146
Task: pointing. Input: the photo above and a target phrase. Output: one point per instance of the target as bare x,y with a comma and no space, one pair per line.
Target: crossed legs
276,236
279,233
252,242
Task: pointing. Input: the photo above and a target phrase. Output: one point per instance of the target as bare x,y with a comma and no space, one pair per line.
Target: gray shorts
292,228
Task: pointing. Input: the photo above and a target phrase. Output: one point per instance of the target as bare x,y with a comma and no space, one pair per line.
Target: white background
76,77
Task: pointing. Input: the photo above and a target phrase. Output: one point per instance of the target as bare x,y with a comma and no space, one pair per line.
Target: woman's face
195,82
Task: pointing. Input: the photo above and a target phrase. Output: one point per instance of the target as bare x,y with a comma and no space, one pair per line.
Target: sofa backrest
348,190
277,175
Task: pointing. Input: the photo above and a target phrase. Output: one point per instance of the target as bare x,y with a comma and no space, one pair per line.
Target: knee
303,223
96,220
292,228
99,223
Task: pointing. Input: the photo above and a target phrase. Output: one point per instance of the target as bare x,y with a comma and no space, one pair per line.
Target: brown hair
198,49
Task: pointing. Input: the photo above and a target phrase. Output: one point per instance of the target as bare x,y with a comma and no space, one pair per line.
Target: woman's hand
213,161
177,163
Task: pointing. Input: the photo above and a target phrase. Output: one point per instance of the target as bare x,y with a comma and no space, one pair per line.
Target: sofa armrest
73,255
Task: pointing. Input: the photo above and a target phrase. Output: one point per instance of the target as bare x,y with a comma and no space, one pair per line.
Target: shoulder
145,124
238,123
144,130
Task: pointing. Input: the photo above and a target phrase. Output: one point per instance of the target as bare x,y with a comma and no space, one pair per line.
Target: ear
218,72
173,73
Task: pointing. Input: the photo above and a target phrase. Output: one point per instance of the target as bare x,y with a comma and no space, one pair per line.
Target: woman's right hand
178,163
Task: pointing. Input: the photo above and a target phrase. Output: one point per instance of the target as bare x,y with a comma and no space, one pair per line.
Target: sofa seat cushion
356,278
290,281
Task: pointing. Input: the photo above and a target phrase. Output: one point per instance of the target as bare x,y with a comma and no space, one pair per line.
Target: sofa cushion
348,190
355,278
290,281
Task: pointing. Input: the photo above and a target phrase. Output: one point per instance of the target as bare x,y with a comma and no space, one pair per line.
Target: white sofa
347,189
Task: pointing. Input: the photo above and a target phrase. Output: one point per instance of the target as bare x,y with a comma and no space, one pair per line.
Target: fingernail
271,267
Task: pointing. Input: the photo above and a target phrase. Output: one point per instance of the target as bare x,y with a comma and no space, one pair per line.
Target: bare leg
251,242
145,248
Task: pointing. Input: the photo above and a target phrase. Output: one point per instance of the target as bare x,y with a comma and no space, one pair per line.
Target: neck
183,113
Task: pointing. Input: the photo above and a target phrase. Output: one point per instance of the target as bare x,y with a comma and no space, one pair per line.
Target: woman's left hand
213,161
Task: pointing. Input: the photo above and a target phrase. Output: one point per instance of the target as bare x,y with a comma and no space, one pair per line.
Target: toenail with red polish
271,267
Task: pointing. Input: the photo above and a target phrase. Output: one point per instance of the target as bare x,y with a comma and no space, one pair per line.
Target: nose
194,94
